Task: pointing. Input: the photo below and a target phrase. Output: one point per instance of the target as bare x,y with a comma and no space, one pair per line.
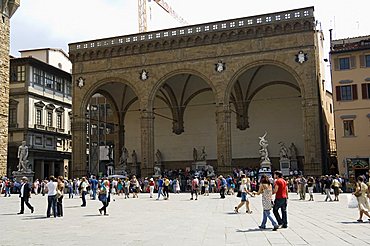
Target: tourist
94,187
51,189
166,188
362,194
7,187
160,186
127,188
120,187
176,186
104,196
327,187
151,187
302,188
25,194
135,187
36,185
223,186
194,188
335,184
70,188
212,185
244,195
206,187
310,186
59,196
266,190
281,196
83,189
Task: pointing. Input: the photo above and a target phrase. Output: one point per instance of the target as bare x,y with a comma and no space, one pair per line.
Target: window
38,76
365,91
59,121
38,116
346,92
18,73
367,61
12,117
38,140
49,80
344,63
58,84
49,141
68,88
50,119
348,127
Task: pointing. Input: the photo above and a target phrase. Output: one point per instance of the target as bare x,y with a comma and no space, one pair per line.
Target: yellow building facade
350,62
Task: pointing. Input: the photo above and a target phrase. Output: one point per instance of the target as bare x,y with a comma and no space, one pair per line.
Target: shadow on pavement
251,230
93,215
35,218
77,206
353,222
9,214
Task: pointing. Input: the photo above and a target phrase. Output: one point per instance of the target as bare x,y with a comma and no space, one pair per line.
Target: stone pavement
180,221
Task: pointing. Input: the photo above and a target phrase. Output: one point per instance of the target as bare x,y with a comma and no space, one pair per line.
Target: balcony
50,128
39,127
60,130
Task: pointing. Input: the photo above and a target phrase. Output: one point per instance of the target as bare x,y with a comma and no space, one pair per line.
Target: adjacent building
350,63
40,111
7,9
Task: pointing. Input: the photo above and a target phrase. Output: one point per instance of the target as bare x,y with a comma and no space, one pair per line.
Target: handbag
239,194
358,193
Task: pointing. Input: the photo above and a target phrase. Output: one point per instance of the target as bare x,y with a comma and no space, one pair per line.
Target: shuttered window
346,93
365,88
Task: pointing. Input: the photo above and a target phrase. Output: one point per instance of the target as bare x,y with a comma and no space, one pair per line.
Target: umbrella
117,176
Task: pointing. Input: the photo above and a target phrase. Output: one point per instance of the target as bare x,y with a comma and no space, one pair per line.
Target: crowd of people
242,182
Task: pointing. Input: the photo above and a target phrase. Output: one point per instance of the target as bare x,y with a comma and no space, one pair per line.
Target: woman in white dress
361,193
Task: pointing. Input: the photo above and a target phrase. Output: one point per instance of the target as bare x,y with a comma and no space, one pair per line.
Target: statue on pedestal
210,171
203,155
293,152
110,152
263,151
283,151
23,157
158,156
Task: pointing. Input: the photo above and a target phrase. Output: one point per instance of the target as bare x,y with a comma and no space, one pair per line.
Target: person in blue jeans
266,191
160,186
51,188
94,186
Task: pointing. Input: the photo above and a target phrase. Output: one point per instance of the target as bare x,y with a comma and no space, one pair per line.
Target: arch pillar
79,167
224,153
312,143
147,143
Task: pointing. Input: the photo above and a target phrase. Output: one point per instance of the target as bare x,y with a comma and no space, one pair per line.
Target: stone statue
263,151
110,152
158,155
134,158
23,155
157,170
293,152
123,158
283,151
210,171
203,155
195,154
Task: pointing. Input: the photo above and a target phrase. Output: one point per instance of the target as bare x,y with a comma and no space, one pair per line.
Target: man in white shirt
51,188
25,194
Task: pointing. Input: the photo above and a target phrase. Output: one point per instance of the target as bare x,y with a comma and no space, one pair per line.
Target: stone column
7,9
147,143
52,168
42,169
79,167
224,154
312,144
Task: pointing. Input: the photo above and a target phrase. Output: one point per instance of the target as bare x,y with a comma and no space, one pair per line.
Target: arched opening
265,98
184,110
110,116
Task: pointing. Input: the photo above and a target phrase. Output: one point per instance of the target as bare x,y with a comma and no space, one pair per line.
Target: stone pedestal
285,166
294,164
198,165
18,175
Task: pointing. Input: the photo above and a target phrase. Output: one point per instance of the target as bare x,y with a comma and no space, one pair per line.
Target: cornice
275,24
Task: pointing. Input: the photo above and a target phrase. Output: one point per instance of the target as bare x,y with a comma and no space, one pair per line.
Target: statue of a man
293,152
158,155
263,151
22,155
195,154
203,155
110,152
134,157
283,151
123,158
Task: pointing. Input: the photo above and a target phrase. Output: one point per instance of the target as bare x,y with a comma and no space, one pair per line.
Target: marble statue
293,152
110,152
158,155
210,171
123,158
195,154
263,151
203,155
23,157
157,170
283,151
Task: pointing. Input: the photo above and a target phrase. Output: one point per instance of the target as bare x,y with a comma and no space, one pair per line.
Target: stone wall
4,91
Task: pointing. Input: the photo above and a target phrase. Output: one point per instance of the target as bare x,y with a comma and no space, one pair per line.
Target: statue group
202,156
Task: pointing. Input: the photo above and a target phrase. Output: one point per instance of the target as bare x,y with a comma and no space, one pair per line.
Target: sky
55,23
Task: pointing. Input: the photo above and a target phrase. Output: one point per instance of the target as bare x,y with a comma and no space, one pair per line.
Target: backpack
80,186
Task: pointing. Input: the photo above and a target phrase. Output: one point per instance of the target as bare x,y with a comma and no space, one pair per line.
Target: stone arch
268,30
260,63
163,80
250,32
297,26
287,27
307,25
85,56
277,29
